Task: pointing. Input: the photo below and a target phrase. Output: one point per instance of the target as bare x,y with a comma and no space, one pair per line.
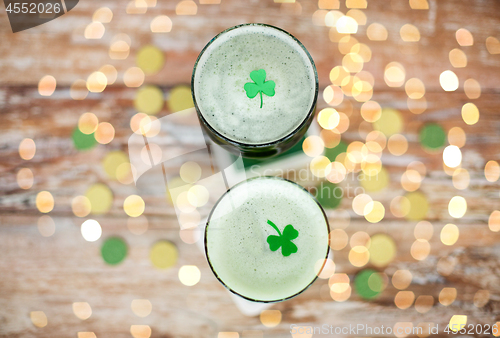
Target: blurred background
407,112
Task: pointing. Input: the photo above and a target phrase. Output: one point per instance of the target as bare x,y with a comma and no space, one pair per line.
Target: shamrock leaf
259,85
283,240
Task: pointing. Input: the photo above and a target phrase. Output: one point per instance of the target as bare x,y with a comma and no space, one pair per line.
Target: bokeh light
270,318
457,207
91,230
141,307
47,85
82,310
189,275
470,113
448,81
44,201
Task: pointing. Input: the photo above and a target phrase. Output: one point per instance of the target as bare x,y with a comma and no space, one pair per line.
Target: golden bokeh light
270,318
457,322
333,95
82,310
133,77
356,4
420,249
461,179
360,238
458,59
25,178
338,74
457,207
464,37
447,296
134,206
189,275
87,123
424,303
359,256
449,234
198,195
423,230
452,156
47,85
141,307
411,180
97,82
94,30
324,268
38,318
86,335
417,106
448,81
190,172
374,212
472,89
78,90
470,113
404,299
140,331
492,171
231,335
110,72
419,4
493,45
44,201
360,202
27,149
338,239
328,118
347,25
481,298
136,7
357,15
494,221
401,279
332,17
104,133
320,166
371,111
103,14
180,98
353,62
313,146
161,24
346,44
394,74
46,226
400,206
457,137
340,290
377,32
80,205
328,4
120,47
409,33
415,88
397,144
186,7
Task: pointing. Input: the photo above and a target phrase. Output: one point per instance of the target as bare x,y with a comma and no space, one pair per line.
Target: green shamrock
259,85
283,240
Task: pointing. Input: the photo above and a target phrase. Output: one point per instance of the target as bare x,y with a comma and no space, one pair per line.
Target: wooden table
49,274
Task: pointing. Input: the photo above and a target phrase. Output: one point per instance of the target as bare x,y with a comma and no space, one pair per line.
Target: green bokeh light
432,136
114,250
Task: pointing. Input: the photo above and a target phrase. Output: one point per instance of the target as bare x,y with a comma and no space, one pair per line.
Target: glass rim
208,223
271,143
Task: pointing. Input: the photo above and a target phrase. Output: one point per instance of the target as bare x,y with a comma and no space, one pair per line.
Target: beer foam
225,66
237,233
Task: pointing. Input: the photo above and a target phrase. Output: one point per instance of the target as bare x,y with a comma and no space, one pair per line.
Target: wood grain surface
51,273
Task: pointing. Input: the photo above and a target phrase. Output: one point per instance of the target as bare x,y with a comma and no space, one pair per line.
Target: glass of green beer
254,88
264,239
